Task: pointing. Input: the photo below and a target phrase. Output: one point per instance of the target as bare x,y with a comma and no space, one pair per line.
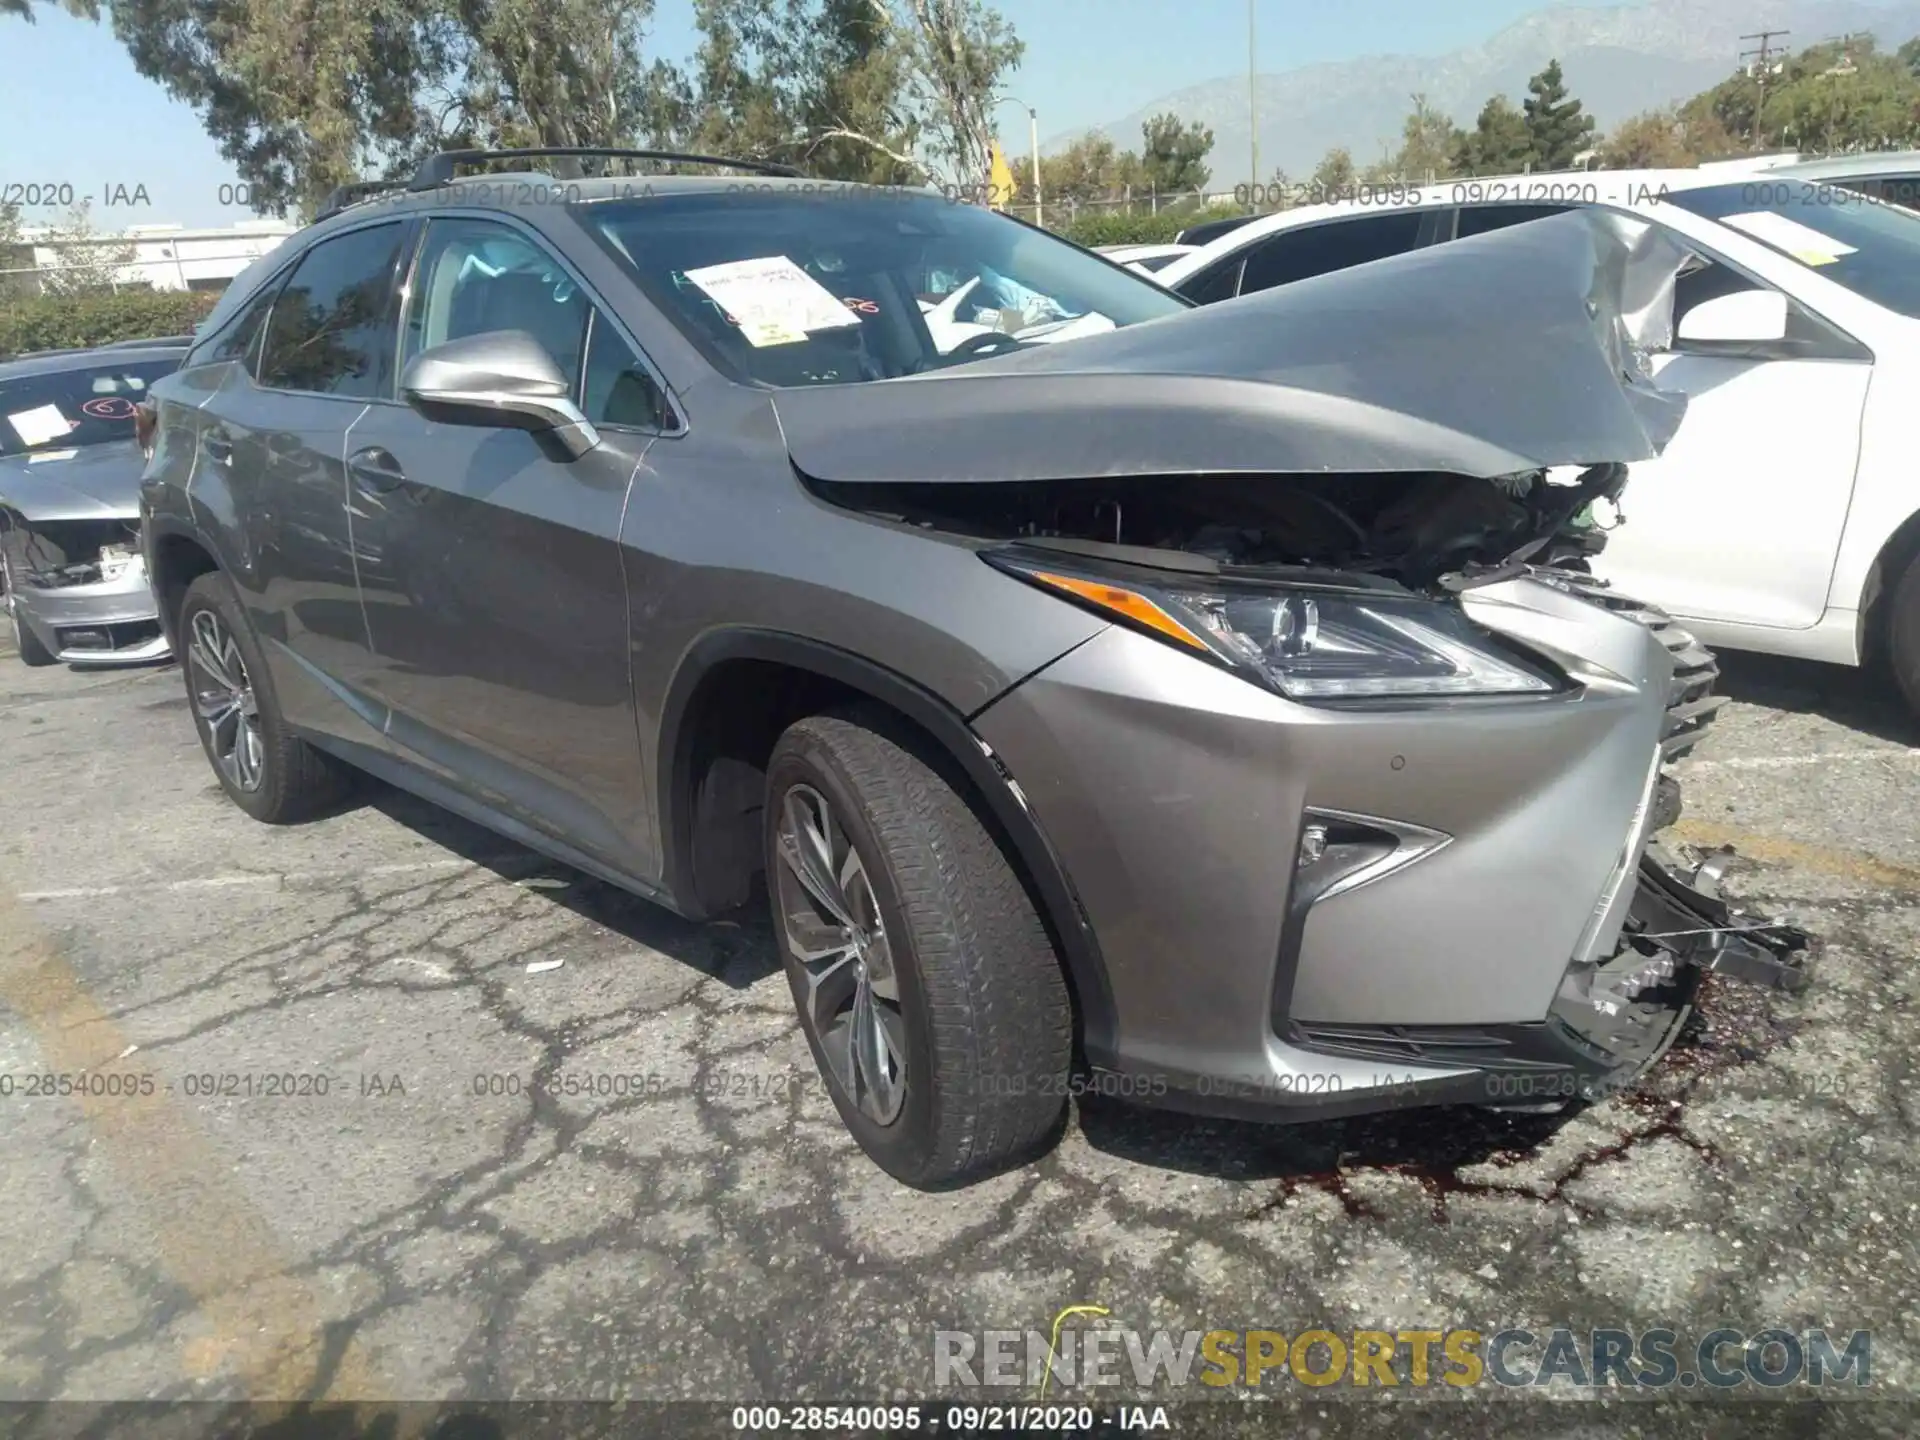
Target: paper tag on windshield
39,425
1802,242
772,299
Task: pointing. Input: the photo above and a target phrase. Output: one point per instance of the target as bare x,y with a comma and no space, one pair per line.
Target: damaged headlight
1308,643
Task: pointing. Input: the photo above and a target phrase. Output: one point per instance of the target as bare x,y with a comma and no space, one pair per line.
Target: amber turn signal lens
1130,603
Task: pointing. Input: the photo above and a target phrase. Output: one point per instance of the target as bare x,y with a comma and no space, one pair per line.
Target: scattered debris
536,967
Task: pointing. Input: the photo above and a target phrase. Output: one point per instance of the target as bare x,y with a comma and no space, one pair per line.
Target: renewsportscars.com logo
1659,1358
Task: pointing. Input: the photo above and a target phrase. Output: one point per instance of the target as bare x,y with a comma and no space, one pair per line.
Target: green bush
1105,227
55,322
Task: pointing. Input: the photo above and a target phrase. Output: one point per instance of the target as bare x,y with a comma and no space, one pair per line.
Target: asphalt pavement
384,1107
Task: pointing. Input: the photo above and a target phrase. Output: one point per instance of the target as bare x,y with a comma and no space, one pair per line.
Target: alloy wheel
224,700
835,933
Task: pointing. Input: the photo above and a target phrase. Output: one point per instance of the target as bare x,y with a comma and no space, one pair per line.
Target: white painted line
1795,762
272,881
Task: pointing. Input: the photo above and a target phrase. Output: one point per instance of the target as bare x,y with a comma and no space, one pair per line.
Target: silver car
70,463
1199,706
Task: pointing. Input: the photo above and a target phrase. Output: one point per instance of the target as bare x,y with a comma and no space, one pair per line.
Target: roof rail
438,170
352,194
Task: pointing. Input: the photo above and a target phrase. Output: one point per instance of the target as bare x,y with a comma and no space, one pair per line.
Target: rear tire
266,770
969,1021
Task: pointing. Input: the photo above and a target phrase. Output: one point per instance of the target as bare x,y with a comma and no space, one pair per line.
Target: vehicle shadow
740,950
1429,1145
737,951
1861,699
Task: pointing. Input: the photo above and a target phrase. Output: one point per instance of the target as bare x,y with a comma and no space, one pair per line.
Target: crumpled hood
1512,351
94,482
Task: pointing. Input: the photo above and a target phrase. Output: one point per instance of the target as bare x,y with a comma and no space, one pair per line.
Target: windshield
1866,245
64,409
789,288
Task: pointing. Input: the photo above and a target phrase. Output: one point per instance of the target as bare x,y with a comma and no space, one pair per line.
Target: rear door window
1334,245
1902,190
1479,219
331,331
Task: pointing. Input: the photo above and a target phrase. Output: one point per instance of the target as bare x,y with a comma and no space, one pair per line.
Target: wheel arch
1901,549
714,711
175,559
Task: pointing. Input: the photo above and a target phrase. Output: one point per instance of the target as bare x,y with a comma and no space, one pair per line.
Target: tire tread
999,1010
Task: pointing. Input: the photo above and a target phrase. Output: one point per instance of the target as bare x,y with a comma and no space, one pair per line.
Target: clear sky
74,112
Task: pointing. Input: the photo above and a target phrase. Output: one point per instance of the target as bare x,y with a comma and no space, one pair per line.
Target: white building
169,257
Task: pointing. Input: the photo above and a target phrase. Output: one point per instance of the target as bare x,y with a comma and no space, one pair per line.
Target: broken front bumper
1612,1020
1306,912
113,621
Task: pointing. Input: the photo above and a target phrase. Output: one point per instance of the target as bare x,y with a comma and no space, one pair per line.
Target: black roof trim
353,194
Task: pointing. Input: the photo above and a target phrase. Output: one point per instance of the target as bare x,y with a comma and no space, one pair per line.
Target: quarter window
1217,282
617,388
239,340
331,324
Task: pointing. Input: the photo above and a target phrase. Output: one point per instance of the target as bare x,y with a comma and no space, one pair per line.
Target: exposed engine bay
53,554
1409,528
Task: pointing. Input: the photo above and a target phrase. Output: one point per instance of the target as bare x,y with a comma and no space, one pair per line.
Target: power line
1765,50
1763,56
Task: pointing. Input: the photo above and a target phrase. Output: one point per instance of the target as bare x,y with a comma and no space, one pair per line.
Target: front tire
926,984
26,644
266,770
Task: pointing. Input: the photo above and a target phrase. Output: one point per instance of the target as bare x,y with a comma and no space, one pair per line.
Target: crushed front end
79,588
1358,792
1314,909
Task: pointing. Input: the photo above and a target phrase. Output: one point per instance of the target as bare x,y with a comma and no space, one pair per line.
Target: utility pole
1253,108
1033,140
1763,60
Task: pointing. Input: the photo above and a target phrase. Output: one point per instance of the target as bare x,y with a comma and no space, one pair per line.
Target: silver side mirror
502,378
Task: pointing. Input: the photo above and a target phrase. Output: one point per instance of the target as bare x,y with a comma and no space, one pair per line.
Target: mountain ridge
1618,60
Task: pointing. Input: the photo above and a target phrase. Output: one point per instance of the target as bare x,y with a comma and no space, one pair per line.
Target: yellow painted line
264,1323
1053,1345
1772,850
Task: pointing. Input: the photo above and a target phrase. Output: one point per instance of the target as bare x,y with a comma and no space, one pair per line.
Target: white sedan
1785,514
1144,258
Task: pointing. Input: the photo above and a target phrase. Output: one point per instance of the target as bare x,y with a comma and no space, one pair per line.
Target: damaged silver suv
1185,705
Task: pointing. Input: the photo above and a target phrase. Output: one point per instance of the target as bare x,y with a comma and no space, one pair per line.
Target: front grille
1691,702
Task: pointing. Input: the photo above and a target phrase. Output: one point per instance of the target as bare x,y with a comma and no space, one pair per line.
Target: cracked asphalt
385,1108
